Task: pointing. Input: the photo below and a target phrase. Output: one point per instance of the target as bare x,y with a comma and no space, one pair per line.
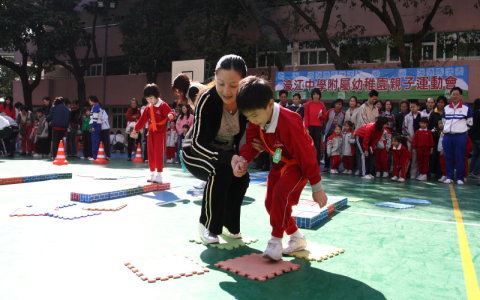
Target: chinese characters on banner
406,83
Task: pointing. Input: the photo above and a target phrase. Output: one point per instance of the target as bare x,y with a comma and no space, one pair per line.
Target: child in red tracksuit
348,147
401,159
282,134
380,154
423,144
156,114
334,149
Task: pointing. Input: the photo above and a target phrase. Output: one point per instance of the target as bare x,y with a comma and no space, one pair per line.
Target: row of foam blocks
90,198
26,179
308,214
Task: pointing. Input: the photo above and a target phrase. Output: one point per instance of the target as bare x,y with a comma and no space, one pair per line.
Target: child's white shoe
206,236
295,244
422,177
401,179
394,178
274,249
157,178
385,175
442,179
378,174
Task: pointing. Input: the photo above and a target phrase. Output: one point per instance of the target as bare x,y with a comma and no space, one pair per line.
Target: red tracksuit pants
381,160
282,193
171,152
348,162
400,168
335,161
423,159
156,150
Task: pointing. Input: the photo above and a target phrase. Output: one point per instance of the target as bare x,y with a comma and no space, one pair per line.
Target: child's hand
258,145
320,197
170,116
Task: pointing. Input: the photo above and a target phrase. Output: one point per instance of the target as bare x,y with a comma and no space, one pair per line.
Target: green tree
389,13
7,76
149,36
66,35
22,30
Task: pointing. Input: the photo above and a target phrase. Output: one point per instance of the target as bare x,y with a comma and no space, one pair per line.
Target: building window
94,70
428,50
116,116
364,50
395,56
269,59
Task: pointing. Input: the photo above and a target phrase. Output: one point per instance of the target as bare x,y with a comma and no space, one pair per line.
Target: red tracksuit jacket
423,139
370,136
291,137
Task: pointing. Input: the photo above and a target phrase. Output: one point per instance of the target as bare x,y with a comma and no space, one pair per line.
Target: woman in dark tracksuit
209,147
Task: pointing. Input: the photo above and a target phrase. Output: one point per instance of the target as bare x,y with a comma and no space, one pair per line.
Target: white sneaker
422,177
169,161
442,179
448,181
91,158
394,178
357,172
460,182
200,185
157,178
36,155
206,236
227,233
385,175
274,249
378,174
368,176
401,179
295,244
333,171
322,162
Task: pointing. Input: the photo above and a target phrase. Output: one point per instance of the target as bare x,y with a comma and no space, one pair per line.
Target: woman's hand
239,166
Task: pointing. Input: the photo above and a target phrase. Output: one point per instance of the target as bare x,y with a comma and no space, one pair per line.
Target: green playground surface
418,253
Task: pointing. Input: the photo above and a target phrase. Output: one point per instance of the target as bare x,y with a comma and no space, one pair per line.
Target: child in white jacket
348,147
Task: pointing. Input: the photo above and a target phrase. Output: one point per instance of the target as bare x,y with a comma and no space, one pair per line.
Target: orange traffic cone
101,156
60,159
138,156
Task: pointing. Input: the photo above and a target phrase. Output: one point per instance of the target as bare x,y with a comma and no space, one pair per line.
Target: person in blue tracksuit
457,119
95,124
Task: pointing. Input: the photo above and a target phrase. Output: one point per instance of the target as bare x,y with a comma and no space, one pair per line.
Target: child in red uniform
423,145
172,138
348,147
380,154
294,161
156,114
401,159
334,149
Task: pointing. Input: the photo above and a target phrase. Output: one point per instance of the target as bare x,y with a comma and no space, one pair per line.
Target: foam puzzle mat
317,252
255,267
308,214
227,243
104,208
395,205
415,201
25,179
165,268
122,193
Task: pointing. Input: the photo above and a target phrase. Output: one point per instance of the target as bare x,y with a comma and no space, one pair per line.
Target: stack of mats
308,214
91,198
26,179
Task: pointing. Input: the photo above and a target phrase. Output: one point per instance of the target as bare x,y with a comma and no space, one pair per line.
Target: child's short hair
283,92
186,126
253,93
424,120
350,123
338,126
338,101
316,91
373,93
151,89
414,101
400,139
297,95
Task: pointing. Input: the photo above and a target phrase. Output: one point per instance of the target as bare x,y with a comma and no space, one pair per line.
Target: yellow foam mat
317,252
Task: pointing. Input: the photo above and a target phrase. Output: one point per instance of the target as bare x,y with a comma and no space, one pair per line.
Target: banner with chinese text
406,83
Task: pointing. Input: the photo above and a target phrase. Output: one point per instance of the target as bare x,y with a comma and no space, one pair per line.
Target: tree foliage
149,36
6,80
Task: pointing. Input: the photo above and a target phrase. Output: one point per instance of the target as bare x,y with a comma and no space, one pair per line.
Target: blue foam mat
415,201
395,205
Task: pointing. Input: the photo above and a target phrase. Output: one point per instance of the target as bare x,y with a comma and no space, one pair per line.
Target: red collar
458,106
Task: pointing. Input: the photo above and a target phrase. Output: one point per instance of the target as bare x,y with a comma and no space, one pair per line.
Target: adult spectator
388,113
59,118
368,110
8,134
7,108
133,115
475,136
25,123
283,98
411,124
352,111
400,116
457,119
297,105
73,129
428,111
314,120
435,118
